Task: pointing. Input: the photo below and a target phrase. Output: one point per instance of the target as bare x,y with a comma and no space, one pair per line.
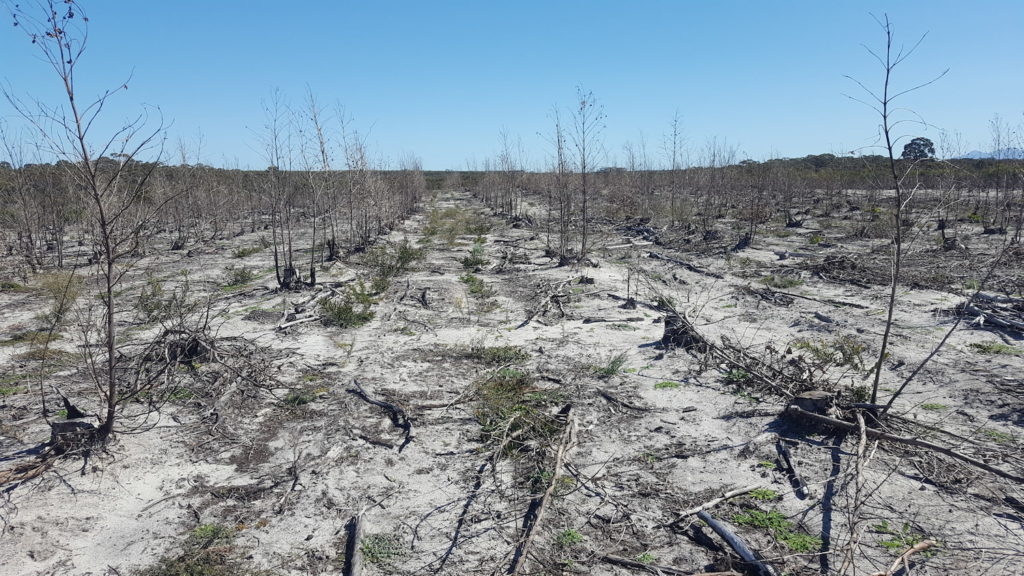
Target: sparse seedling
646,558
476,286
666,385
475,259
764,494
568,538
613,366
736,377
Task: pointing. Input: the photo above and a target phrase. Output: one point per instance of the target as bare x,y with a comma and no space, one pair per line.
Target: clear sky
442,79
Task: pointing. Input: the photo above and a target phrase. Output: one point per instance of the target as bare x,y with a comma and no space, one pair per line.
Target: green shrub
351,309
475,259
476,286
235,276
386,262
511,409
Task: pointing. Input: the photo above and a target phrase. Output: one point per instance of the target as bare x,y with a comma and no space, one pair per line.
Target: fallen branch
799,486
737,544
825,300
612,399
535,513
905,557
657,569
686,265
711,504
396,414
800,414
299,321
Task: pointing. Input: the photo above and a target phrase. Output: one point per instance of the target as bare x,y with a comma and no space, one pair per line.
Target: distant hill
1004,153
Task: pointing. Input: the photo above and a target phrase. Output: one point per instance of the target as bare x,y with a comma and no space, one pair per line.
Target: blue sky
441,79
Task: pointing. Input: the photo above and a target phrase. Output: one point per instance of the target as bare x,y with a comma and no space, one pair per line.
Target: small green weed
11,390
297,398
995,348
767,465
646,558
899,539
476,286
782,529
568,538
736,376
764,494
612,367
998,436
934,407
666,385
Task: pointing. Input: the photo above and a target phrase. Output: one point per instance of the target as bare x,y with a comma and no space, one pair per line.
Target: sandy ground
666,431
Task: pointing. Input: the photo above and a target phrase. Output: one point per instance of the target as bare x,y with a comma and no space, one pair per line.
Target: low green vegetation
209,550
613,366
998,436
666,385
780,281
898,540
568,538
934,407
60,290
780,528
382,549
736,376
646,558
842,351
497,355
246,251
33,338
11,390
763,494
476,286
512,411
995,348
237,276
449,224
389,261
350,310
476,258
